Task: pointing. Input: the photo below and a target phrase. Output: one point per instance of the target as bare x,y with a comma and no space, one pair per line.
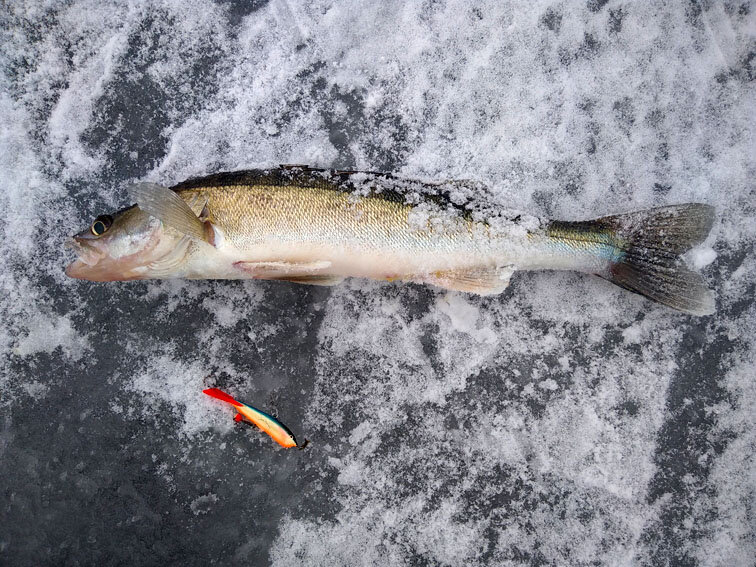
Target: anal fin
481,281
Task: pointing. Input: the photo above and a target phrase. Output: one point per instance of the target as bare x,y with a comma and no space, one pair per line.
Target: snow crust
564,422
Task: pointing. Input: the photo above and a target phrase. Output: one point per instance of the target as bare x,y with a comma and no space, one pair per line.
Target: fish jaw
103,271
93,262
97,263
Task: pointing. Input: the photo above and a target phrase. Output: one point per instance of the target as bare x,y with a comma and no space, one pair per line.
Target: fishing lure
266,422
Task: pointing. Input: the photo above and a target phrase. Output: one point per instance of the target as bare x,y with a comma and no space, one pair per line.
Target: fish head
121,246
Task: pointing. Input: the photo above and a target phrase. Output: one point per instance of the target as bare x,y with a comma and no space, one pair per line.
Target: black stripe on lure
266,422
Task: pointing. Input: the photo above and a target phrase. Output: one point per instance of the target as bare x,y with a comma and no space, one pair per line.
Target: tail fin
220,395
649,244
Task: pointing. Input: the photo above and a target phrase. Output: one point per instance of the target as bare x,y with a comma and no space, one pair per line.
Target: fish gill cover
564,422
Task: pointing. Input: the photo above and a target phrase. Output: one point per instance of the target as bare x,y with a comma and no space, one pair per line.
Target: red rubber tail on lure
221,395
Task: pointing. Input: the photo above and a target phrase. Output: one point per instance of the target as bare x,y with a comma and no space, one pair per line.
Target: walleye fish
314,226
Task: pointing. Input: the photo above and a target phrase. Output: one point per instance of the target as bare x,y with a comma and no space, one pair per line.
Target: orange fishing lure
266,422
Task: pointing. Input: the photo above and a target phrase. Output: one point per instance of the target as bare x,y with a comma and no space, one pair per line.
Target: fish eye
101,225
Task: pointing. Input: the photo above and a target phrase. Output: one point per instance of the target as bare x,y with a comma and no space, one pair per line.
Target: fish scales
333,221
251,214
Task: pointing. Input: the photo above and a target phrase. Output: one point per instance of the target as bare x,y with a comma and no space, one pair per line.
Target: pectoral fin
297,272
172,210
482,281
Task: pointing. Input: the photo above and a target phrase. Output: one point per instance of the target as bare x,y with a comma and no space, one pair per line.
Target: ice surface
563,422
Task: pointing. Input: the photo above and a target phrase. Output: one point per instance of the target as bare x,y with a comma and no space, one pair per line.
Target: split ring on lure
266,422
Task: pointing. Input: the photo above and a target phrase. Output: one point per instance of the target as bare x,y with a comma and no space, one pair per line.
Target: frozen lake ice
563,422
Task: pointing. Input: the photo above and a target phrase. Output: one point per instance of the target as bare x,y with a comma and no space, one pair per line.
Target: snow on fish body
317,227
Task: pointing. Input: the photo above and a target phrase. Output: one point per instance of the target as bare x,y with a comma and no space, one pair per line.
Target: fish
318,227
265,422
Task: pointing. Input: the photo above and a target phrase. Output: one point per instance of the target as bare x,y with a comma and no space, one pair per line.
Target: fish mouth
88,253
94,264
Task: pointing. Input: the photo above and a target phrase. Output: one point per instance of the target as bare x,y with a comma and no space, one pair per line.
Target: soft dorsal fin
169,207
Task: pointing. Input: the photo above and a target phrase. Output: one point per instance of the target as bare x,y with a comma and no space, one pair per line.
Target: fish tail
643,252
221,395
